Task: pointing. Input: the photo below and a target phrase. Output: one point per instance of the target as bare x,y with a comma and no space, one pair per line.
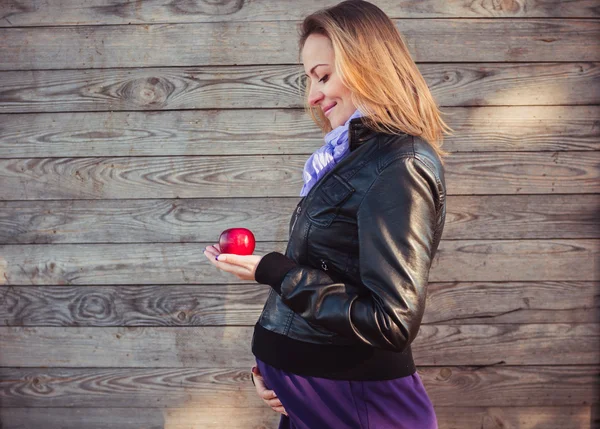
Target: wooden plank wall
132,133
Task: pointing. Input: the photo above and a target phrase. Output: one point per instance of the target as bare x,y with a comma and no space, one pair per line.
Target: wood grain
102,12
513,302
460,303
521,216
278,132
196,220
182,132
151,221
277,176
530,260
229,346
207,389
275,86
184,263
275,42
262,417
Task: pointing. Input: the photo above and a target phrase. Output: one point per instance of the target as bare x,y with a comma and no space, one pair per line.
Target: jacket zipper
313,189
298,210
324,266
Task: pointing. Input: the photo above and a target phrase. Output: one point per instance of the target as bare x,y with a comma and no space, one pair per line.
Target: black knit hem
272,269
361,363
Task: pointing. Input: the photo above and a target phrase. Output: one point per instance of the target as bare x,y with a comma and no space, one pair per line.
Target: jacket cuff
272,269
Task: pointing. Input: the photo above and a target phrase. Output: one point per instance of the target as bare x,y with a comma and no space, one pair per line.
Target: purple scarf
324,158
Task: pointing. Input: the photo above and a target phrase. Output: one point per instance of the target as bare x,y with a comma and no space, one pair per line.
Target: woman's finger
274,403
268,394
280,410
261,388
243,267
211,252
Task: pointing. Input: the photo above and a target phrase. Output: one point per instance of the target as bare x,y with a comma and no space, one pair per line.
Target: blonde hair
374,63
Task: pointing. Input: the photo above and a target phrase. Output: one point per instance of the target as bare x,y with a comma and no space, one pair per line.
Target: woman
332,344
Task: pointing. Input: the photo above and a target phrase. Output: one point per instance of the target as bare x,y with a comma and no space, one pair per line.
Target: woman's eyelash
323,78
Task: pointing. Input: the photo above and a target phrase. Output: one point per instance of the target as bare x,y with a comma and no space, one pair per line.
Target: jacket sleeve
396,228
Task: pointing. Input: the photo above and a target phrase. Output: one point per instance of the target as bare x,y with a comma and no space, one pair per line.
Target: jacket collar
358,133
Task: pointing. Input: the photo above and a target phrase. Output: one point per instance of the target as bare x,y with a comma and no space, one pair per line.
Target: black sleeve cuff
272,268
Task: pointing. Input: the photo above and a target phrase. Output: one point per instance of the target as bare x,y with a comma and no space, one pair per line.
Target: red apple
239,241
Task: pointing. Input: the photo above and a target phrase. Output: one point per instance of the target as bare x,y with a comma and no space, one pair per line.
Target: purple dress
320,403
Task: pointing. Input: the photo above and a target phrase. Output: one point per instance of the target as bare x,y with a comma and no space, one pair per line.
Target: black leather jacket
361,243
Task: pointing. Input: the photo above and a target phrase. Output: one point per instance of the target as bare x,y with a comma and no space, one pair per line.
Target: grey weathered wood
521,216
531,260
192,220
182,132
481,173
229,346
278,86
275,42
513,302
262,417
527,128
191,417
277,176
206,389
152,221
516,386
459,303
102,12
557,417
184,263
152,88
276,132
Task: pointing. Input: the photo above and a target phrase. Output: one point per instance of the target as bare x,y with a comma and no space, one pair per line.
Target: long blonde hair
374,63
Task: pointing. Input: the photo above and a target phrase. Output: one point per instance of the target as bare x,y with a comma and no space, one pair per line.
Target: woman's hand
243,266
268,396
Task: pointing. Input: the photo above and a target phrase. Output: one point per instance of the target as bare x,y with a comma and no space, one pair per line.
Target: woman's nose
314,97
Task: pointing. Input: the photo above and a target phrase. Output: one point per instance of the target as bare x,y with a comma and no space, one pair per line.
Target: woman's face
326,90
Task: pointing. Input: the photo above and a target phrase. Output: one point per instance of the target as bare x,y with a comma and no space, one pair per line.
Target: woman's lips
326,112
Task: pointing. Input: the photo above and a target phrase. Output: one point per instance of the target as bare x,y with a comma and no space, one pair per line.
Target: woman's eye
324,78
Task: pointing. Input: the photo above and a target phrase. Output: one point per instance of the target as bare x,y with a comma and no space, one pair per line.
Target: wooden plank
506,344
530,260
523,173
499,173
103,12
479,217
275,86
522,128
192,416
261,417
461,303
503,344
181,132
184,263
514,417
278,132
275,42
512,302
206,389
520,216
152,221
